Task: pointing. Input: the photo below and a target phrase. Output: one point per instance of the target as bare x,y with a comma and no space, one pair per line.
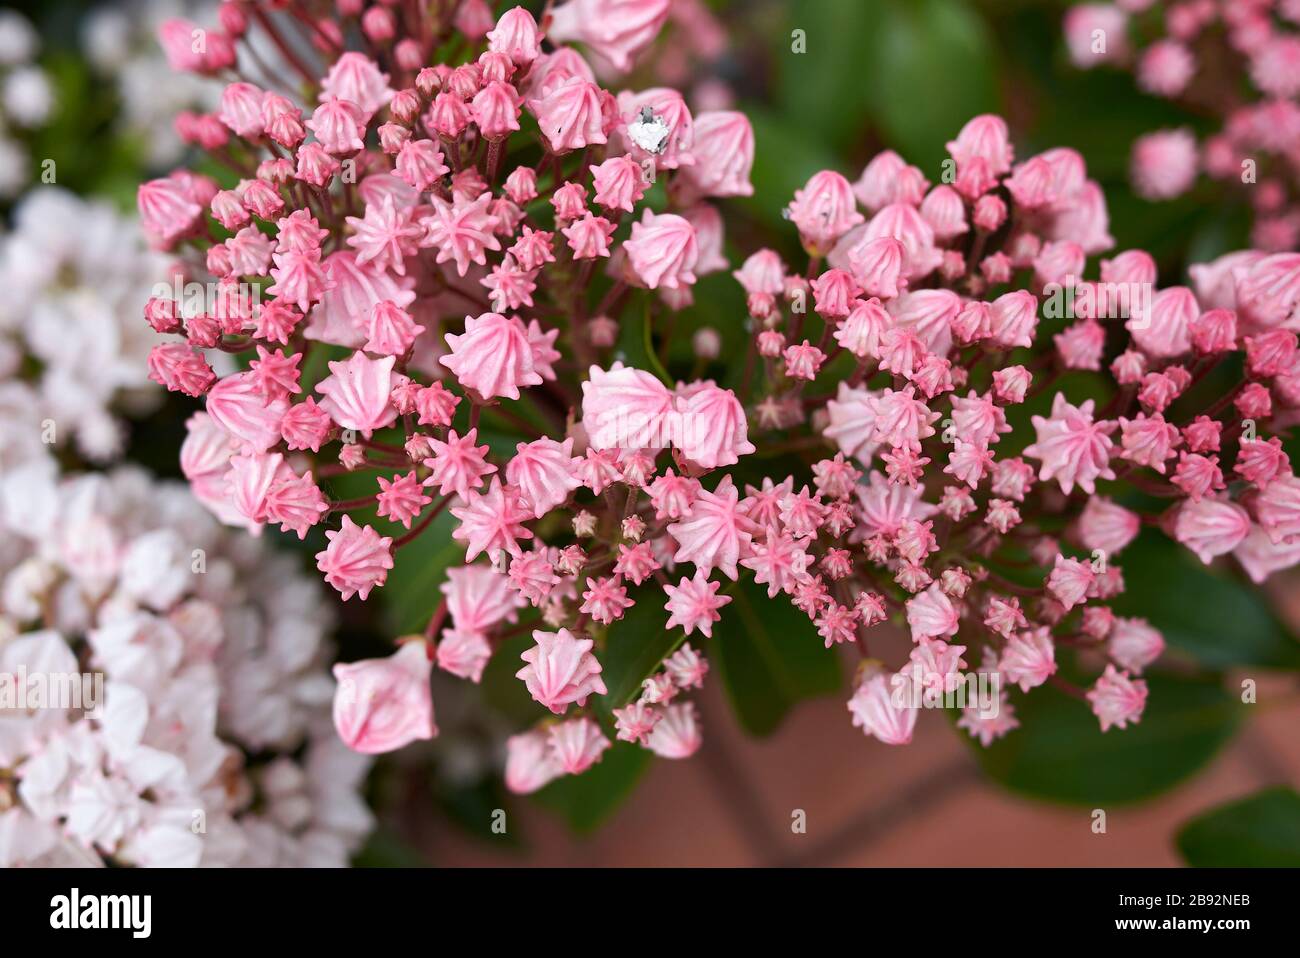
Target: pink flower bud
382,704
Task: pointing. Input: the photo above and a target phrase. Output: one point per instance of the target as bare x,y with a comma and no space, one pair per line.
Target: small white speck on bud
649,131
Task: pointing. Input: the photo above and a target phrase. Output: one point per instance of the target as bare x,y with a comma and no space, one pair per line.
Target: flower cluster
1236,60
26,100
432,234
73,355
208,740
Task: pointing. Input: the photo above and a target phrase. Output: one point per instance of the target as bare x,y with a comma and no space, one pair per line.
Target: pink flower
238,404
461,231
1104,525
712,428
614,30
356,78
1116,699
1073,449
1134,644
463,654
626,408
715,533
635,722
1166,332
544,472
876,710
517,35
662,250
478,598
356,560
694,603
618,183
888,178
931,615
561,670
167,209
577,744
530,762
180,369
400,498
420,164
1029,658
724,155
1148,440
496,110
1164,164
984,138
357,392
382,704
904,223
570,116
386,235
677,734
1069,581
492,522
338,125
1211,527
492,357
824,211
295,502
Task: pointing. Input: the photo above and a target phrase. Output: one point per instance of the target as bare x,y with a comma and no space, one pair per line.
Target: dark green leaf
769,657
634,647
930,67
1059,752
1262,831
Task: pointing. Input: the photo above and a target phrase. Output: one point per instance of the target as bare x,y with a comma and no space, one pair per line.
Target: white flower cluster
26,99
212,744
75,275
120,41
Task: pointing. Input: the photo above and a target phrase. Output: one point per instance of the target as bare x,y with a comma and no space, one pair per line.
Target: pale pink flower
875,710
238,404
715,533
677,734
626,408
561,670
724,155
356,78
662,250
931,615
1164,164
577,744
400,498
382,704
517,35
570,116
458,464
1073,449
1106,526
493,356
357,392
824,211
1029,658
462,230
530,763
636,721
339,126
1211,527
694,603
1117,699
1134,644
356,560
614,30
492,522
711,424
463,654
1069,581
544,472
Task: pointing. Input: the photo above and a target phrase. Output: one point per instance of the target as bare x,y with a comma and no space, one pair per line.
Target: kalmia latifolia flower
1189,53
439,351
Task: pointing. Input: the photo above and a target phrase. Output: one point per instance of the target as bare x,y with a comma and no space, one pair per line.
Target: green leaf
770,658
930,68
411,591
1214,617
1262,831
825,86
634,648
588,799
1060,754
